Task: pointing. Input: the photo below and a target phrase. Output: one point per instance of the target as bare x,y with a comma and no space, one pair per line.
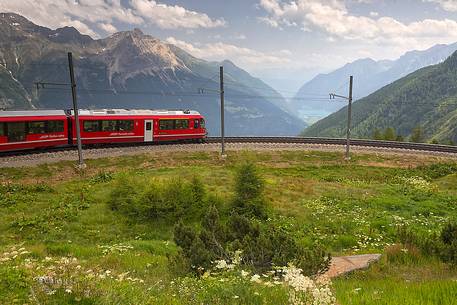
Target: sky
284,42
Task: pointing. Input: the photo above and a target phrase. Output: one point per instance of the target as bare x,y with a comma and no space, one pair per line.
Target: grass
54,211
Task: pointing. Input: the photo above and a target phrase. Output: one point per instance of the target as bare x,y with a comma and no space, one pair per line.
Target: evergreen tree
400,138
389,134
377,135
417,136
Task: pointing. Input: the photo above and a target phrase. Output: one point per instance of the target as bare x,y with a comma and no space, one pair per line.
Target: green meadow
70,237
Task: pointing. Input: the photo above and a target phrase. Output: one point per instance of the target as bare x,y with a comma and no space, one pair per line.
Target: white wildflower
256,278
221,264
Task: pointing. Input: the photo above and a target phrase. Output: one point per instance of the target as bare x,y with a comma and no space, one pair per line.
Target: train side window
16,131
55,126
166,124
2,129
196,123
181,124
37,127
91,126
109,125
125,125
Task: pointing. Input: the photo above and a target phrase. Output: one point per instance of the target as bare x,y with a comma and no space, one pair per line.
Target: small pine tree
417,135
377,135
248,192
389,134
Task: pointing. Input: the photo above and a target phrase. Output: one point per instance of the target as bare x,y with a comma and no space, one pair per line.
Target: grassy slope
424,98
350,208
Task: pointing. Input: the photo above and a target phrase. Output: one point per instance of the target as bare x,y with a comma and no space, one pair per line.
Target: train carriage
32,129
52,128
120,126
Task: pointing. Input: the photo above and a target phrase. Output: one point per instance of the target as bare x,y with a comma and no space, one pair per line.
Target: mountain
369,76
426,98
131,70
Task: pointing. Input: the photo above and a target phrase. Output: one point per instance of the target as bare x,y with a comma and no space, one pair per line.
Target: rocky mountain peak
145,49
14,19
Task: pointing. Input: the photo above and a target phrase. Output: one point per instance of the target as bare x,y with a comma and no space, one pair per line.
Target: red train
51,128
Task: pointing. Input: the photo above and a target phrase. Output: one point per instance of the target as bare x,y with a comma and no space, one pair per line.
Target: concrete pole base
81,167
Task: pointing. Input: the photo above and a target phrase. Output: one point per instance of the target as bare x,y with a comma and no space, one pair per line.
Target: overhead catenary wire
228,95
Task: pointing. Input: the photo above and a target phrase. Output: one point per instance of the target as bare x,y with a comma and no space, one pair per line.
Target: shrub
262,245
438,170
443,246
123,197
449,238
170,200
248,192
14,284
102,177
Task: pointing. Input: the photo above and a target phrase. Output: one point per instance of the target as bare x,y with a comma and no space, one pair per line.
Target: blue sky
284,42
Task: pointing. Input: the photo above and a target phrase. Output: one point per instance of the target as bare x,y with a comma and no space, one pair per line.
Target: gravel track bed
38,158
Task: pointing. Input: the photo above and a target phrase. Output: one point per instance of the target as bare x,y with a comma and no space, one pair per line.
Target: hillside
131,70
369,75
425,98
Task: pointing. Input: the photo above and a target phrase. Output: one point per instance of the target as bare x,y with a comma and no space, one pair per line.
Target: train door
148,134
16,131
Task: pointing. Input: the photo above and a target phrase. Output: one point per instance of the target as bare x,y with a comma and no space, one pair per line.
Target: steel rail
340,141
424,147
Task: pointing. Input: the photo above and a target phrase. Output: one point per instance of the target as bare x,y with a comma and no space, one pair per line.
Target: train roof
8,113
95,112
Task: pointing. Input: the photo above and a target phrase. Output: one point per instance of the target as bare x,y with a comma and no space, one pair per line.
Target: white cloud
89,15
333,18
447,5
108,28
245,57
172,17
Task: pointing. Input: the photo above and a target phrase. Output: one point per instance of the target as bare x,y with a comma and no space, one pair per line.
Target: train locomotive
22,130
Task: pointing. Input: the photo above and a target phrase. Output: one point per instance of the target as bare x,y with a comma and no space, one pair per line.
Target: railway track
39,156
340,141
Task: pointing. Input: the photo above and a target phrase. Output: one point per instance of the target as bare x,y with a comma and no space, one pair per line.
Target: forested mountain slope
425,98
369,75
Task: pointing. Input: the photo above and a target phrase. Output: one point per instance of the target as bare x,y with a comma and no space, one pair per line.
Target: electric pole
348,135
76,110
221,77
221,93
348,131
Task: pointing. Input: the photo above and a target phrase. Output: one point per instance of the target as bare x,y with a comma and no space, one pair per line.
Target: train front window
202,123
125,125
91,126
181,124
2,129
37,127
55,126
